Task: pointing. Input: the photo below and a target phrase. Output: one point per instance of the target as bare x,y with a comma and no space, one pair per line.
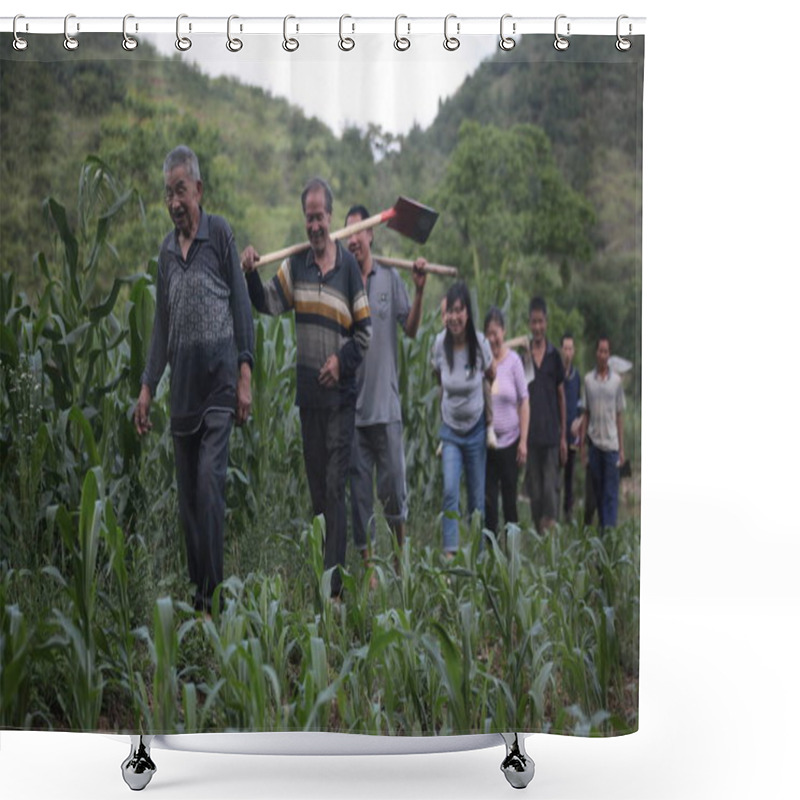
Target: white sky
371,83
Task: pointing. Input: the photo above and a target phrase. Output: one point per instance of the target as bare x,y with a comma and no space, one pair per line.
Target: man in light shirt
604,402
378,445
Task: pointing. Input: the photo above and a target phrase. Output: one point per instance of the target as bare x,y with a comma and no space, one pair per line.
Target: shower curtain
522,164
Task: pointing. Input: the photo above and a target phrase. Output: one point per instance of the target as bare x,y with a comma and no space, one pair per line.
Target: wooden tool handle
279,255
342,233
402,263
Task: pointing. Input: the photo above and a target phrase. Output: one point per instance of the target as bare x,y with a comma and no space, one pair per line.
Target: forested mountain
533,164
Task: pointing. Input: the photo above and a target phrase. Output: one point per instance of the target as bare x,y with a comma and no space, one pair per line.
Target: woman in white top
461,358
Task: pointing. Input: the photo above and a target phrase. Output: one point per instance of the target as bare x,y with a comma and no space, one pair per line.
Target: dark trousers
501,471
605,482
569,471
201,463
327,437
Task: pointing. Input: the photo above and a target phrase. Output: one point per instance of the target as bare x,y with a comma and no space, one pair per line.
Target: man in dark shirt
203,329
547,442
332,322
572,394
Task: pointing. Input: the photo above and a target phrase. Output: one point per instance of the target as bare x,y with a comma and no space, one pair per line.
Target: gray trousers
201,463
377,449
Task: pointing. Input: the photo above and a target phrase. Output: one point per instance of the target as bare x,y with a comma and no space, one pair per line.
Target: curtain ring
623,44
70,42
183,43
346,43
560,42
451,42
506,42
234,45
401,43
289,44
19,43
128,42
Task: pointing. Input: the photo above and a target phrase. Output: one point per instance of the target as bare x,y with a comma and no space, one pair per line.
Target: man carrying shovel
378,445
325,287
332,319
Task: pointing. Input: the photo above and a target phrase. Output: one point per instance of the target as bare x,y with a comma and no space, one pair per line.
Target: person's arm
276,295
524,424
562,415
486,353
242,328
419,276
584,428
156,356
620,431
346,361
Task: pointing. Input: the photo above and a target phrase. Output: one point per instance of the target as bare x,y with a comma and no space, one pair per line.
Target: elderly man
332,322
203,329
378,446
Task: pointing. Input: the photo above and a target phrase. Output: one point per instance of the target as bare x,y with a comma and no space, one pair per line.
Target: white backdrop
719,702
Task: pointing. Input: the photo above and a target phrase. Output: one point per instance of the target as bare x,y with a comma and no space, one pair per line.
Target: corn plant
18,648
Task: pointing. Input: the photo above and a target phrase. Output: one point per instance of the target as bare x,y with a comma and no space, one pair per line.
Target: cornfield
522,632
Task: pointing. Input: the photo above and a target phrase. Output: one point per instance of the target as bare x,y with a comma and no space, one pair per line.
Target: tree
503,199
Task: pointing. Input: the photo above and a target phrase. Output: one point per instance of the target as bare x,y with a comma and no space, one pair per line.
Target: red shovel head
412,219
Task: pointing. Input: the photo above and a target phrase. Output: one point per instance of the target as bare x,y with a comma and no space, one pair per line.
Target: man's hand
329,374
244,397
419,274
141,414
563,450
248,258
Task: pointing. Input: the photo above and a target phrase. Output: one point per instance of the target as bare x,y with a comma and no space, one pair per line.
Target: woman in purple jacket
511,415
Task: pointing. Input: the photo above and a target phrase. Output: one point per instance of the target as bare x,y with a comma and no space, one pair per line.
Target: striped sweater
331,316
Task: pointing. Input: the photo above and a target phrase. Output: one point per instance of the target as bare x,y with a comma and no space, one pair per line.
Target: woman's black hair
459,291
494,314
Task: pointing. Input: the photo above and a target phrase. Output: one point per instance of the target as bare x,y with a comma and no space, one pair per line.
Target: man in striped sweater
323,285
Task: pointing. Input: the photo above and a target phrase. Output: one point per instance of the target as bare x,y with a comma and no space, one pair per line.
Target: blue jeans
605,482
467,452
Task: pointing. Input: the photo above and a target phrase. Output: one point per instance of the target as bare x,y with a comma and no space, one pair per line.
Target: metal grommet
451,42
233,44
19,43
401,42
560,42
183,43
289,44
506,42
346,43
70,42
623,44
128,42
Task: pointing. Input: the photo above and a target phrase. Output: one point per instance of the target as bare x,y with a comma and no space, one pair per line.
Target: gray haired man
203,330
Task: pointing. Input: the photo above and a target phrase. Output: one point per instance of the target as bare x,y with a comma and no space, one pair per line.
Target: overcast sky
395,90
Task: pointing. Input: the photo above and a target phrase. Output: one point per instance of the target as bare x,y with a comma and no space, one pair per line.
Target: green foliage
505,198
